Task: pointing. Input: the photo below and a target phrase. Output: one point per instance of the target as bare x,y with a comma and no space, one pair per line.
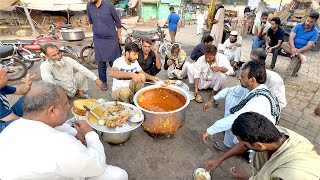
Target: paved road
147,158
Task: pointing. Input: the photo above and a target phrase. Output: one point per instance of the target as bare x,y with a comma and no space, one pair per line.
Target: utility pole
34,31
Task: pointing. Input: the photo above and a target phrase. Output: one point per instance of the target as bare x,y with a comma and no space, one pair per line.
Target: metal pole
280,5
34,31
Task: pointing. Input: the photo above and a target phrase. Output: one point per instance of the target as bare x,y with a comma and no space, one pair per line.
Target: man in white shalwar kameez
209,71
70,75
200,22
232,48
41,145
257,99
217,27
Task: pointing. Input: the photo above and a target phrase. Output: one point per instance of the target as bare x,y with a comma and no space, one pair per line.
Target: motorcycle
157,35
15,68
30,51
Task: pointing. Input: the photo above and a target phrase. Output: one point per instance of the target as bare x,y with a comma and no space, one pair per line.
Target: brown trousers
173,36
295,62
125,94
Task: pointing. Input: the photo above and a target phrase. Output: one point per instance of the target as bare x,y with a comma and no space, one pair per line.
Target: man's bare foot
238,174
302,58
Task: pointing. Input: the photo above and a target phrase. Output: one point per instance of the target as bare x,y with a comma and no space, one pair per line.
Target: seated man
149,59
198,51
232,48
52,149
128,76
175,63
261,28
209,71
279,152
274,39
6,112
258,99
302,38
70,75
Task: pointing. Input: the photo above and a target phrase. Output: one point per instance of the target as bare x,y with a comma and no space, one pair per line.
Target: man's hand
205,136
238,174
170,62
212,164
154,49
120,40
137,78
317,111
82,128
28,79
155,79
99,83
215,68
262,26
208,104
294,52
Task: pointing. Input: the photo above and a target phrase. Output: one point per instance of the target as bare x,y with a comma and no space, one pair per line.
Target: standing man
274,39
173,21
217,27
261,28
302,38
200,22
149,59
104,18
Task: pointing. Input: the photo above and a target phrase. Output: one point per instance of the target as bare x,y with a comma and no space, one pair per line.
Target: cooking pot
72,34
153,119
116,135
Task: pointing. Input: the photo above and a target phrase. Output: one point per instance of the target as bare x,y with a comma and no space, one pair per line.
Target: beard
131,60
233,41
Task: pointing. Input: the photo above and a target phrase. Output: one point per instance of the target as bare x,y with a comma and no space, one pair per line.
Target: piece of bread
78,105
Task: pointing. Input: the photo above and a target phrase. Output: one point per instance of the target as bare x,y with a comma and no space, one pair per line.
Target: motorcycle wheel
28,63
16,69
91,60
85,52
71,56
164,49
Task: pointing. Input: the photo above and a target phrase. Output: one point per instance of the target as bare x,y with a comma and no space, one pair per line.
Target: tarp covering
56,5
6,3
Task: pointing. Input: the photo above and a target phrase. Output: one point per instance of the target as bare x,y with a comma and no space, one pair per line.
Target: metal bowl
117,135
72,34
178,116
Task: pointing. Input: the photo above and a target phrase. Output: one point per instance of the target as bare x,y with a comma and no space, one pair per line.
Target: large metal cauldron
72,34
163,123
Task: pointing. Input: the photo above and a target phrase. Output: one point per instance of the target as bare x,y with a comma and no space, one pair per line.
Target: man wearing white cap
232,48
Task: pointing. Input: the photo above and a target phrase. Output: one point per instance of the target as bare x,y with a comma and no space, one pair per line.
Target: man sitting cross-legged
70,75
128,76
209,71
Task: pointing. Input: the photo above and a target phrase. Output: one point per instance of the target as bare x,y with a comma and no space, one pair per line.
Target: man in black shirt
198,51
274,39
149,59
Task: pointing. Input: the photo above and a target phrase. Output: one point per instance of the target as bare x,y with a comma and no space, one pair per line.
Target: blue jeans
257,43
102,69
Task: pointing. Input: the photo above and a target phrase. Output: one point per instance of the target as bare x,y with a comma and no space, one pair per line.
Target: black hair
252,127
147,40
175,47
276,20
261,53
45,47
264,14
171,8
257,70
314,15
207,39
131,46
210,49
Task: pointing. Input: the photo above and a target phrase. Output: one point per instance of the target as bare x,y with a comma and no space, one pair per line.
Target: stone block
305,132
296,113
303,123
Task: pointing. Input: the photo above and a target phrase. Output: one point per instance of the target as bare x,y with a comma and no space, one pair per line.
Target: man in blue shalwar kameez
104,19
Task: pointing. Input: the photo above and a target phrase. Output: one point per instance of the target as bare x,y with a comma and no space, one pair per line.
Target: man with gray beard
71,76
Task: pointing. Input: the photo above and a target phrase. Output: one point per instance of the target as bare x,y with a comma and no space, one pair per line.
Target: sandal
219,145
85,96
199,99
